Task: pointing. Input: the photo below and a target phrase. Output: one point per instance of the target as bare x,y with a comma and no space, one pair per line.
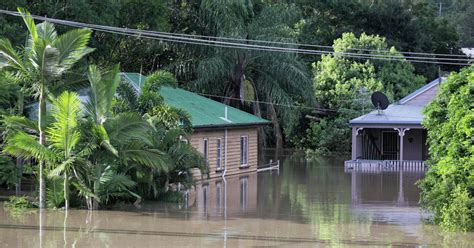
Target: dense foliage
125,145
460,13
96,152
343,87
412,26
448,188
249,75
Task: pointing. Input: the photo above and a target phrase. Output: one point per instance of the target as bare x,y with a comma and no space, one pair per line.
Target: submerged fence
273,165
385,165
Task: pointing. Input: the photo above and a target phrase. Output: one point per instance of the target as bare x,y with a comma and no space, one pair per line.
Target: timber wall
233,149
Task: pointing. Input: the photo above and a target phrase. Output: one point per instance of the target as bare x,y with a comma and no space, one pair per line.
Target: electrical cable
180,38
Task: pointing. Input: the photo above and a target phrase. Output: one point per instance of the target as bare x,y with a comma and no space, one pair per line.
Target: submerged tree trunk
276,129
41,126
66,192
94,201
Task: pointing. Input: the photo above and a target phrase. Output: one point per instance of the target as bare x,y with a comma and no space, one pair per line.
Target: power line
263,102
300,44
180,38
171,38
290,105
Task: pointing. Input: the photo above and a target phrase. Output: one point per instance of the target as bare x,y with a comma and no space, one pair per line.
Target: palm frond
102,91
47,32
153,158
9,57
45,60
27,147
84,190
61,168
113,184
125,127
30,24
72,46
63,132
17,123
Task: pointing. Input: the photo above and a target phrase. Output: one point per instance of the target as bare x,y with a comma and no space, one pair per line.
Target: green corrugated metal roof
204,112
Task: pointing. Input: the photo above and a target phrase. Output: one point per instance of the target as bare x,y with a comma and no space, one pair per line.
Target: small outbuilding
396,133
227,137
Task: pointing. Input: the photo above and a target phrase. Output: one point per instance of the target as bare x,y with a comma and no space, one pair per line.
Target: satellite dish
379,100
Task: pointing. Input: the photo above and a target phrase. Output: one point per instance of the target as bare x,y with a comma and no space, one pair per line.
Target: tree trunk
41,126
276,129
95,202
19,161
89,203
66,192
19,165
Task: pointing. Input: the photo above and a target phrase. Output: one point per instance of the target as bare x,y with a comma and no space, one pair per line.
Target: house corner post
354,144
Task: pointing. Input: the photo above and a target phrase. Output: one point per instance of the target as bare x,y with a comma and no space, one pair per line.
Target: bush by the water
448,187
17,203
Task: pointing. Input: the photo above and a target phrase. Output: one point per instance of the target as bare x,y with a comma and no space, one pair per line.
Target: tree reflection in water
309,202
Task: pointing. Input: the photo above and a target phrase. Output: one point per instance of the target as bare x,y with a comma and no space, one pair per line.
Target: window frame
244,153
205,149
219,154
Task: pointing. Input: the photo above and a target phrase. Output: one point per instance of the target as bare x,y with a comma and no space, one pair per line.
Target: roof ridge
204,111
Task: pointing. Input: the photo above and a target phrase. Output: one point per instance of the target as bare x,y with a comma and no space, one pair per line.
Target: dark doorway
390,146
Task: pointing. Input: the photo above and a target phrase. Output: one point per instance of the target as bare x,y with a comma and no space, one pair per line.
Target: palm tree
46,57
123,141
171,125
61,152
277,78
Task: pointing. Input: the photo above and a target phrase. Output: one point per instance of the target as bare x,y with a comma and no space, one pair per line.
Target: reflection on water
306,203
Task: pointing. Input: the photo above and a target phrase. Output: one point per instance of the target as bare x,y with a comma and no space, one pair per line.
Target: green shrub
448,187
18,207
171,196
55,192
8,172
17,203
458,215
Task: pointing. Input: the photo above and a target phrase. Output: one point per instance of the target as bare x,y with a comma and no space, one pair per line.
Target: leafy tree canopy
448,187
343,85
407,25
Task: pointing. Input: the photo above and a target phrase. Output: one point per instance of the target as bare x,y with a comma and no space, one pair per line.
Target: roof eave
354,123
232,125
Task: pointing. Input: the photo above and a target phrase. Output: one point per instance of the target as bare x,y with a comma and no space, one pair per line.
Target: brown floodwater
307,203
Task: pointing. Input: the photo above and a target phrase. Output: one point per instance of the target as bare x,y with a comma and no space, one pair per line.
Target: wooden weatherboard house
227,137
394,134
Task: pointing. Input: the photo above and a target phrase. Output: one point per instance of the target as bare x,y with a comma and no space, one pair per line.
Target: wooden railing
369,148
385,165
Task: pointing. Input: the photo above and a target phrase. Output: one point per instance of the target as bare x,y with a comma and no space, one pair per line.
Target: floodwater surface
307,203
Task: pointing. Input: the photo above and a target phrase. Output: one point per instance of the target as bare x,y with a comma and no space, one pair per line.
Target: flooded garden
307,202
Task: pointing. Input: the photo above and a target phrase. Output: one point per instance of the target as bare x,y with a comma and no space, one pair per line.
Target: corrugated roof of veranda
204,112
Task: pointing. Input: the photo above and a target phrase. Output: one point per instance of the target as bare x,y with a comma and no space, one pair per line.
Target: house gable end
423,95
